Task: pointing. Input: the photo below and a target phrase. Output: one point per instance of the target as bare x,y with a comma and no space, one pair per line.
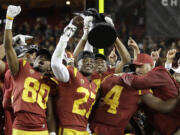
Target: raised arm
59,69
160,105
13,63
134,46
155,55
169,58
81,45
124,54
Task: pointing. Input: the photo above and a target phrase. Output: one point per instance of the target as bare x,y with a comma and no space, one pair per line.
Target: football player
30,87
76,94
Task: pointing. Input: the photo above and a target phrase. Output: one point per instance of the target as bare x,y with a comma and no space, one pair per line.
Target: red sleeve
150,80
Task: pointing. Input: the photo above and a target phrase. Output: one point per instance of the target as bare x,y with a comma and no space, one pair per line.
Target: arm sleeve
59,69
148,81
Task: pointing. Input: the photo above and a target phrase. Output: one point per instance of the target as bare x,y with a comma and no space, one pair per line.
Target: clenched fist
12,11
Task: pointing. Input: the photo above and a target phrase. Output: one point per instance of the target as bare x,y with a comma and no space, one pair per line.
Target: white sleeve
59,69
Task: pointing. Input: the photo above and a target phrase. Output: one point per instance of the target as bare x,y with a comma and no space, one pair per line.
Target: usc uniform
165,87
29,96
120,103
9,116
74,103
97,78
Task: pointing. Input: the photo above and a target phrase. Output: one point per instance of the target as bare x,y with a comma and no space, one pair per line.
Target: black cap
44,52
85,54
98,55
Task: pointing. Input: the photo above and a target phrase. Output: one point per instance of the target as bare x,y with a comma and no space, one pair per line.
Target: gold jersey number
112,98
35,92
76,106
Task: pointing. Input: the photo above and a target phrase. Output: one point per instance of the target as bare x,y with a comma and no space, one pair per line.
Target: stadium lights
68,2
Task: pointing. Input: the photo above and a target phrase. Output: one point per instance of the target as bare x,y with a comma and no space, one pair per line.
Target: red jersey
3,114
9,116
99,77
165,87
8,87
29,97
120,103
75,101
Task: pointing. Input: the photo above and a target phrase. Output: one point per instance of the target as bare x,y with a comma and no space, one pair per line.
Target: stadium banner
163,18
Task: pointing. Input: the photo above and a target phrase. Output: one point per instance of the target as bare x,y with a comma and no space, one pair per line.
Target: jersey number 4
112,98
35,92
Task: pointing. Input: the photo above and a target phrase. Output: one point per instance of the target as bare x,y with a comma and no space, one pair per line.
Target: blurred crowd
46,34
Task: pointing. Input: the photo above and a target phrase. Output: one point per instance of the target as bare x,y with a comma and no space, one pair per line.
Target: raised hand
171,54
113,57
155,54
134,46
12,11
88,22
69,31
109,20
21,39
87,26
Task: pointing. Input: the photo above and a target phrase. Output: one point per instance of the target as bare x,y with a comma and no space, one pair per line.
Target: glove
21,39
109,20
87,26
69,31
88,21
12,11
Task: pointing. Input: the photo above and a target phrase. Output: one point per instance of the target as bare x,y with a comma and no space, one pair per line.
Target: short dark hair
85,54
101,56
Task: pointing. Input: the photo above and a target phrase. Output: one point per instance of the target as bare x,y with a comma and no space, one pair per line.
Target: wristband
8,24
10,18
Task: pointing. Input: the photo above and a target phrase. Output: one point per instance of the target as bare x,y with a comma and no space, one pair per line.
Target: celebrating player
76,93
30,88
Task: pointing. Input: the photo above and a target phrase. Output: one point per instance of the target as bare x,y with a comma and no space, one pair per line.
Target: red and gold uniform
29,97
165,87
9,116
99,77
5,83
74,103
120,103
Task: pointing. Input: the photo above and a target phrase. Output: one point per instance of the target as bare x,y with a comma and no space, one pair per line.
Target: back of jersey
120,102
